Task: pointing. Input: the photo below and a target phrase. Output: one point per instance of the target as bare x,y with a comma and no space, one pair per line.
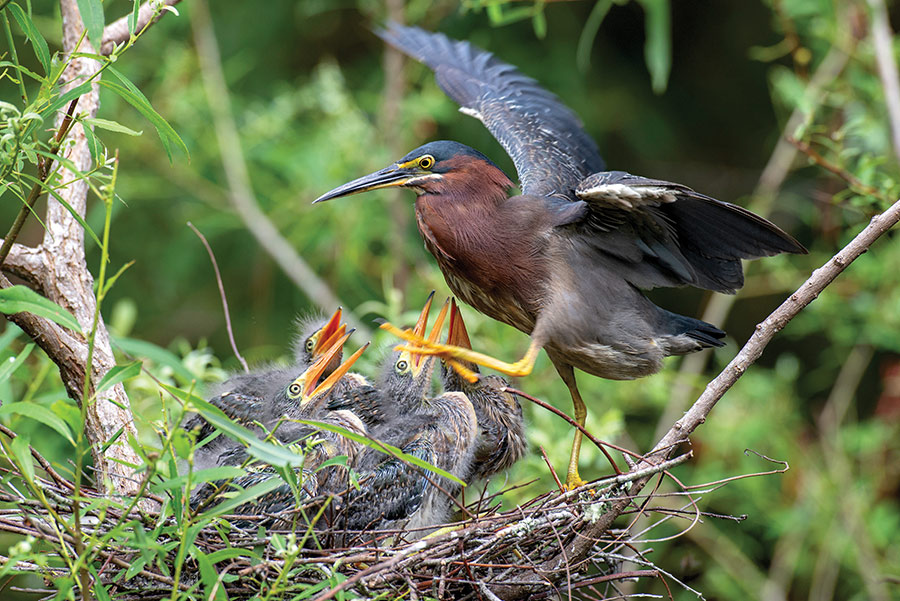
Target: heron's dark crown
443,150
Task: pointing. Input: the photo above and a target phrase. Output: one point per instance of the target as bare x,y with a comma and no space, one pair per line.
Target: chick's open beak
330,333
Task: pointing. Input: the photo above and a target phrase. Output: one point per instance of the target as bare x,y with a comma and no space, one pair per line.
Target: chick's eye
294,389
310,345
426,162
401,365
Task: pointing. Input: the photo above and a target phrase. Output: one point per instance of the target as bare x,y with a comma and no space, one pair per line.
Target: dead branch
882,41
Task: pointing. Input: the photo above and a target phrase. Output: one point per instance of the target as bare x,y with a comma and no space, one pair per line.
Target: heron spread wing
674,235
545,139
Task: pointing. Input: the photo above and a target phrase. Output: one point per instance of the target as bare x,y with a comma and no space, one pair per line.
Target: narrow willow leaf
119,373
131,94
264,451
157,354
13,363
133,17
95,147
589,33
383,447
34,36
22,456
113,126
92,17
244,496
56,196
16,299
658,45
41,414
212,474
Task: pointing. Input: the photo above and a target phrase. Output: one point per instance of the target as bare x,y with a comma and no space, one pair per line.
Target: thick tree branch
117,32
580,545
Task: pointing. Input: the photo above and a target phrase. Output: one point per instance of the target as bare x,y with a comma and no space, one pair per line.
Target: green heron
501,428
565,262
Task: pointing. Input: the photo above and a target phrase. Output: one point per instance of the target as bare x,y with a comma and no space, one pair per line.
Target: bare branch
882,40
235,167
117,32
696,415
215,265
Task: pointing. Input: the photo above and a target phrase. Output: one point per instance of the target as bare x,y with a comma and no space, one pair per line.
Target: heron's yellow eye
310,344
294,390
401,366
426,162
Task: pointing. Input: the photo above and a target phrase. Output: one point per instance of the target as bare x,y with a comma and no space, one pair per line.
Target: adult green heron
566,261
501,429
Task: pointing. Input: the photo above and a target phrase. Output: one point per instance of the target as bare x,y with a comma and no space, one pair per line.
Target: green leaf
41,414
92,17
16,299
112,126
230,553
264,451
129,92
658,44
381,446
158,355
22,455
37,40
209,577
95,146
223,472
119,373
245,496
56,196
589,33
133,17
13,363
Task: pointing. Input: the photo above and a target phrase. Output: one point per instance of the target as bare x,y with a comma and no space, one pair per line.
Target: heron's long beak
389,177
456,333
330,333
310,387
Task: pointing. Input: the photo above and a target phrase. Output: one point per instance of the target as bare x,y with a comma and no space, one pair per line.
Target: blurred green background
309,94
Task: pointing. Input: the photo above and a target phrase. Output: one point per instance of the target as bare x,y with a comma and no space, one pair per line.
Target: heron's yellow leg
422,346
573,480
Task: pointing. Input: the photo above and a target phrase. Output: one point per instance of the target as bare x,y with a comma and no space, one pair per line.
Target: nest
522,553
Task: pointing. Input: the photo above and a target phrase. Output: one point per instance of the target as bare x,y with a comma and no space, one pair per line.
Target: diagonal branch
580,545
241,193
117,32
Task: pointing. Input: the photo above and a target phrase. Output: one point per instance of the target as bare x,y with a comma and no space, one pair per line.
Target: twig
839,171
235,167
212,257
882,40
38,188
45,465
598,443
552,471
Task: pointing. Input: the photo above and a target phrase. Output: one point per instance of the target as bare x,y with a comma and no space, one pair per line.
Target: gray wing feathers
545,139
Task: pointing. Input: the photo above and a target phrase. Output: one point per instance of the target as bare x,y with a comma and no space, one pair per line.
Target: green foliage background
306,84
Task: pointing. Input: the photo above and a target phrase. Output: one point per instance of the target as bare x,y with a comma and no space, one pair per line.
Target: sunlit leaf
39,413
92,17
16,299
119,373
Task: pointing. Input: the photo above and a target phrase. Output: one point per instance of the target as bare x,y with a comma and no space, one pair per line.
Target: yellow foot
423,346
574,481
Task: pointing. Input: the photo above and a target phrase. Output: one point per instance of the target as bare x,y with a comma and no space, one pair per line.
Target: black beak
389,177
